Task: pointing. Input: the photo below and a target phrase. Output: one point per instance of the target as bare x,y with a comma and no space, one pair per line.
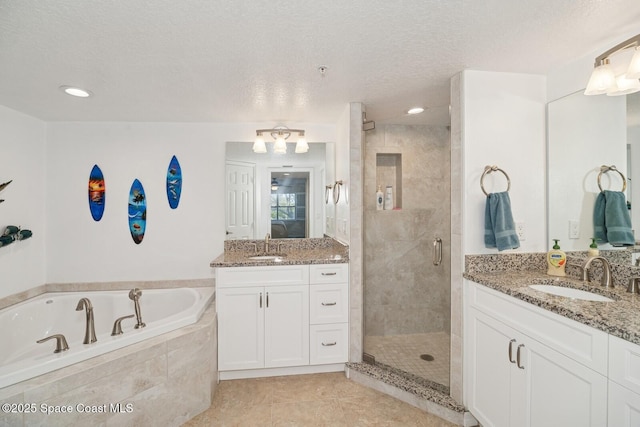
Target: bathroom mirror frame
584,133
319,162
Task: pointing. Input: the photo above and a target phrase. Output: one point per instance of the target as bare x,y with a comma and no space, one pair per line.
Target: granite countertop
620,317
301,257
291,252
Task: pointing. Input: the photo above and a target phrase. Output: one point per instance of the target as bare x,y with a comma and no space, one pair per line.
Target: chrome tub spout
90,330
134,295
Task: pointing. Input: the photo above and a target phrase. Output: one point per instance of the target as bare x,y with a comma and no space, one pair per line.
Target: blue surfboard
137,212
97,193
174,182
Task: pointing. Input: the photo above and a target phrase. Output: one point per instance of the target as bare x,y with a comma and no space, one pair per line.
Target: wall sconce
611,78
280,134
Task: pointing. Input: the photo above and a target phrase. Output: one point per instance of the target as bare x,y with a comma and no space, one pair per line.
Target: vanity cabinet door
488,373
286,326
240,328
558,391
624,406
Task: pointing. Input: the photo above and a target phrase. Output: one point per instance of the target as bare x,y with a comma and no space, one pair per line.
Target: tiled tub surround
162,310
165,380
237,253
513,273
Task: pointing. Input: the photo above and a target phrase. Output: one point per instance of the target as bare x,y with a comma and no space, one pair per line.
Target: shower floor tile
403,352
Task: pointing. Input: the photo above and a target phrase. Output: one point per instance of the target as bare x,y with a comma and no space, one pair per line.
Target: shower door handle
437,251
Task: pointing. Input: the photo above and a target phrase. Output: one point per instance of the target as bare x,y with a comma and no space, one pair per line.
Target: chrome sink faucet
607,276
266,243
90,330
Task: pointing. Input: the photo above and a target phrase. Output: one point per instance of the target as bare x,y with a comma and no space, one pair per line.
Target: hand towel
599,228
617,220
499,228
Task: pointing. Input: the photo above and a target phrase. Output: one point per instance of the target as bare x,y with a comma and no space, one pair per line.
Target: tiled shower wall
404,292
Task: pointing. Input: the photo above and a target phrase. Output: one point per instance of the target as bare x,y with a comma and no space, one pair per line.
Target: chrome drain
427,357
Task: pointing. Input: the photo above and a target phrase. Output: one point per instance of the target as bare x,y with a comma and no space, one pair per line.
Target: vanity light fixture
75,91
613,80
280,134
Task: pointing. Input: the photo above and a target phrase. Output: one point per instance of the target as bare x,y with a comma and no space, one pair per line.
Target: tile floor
403,352
308,400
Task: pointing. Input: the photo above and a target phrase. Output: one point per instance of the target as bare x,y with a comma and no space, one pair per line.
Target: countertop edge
616,318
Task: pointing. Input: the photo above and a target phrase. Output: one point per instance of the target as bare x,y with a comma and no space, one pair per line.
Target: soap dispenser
593,249
557,260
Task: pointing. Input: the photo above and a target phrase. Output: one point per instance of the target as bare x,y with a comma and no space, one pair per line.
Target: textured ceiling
257,61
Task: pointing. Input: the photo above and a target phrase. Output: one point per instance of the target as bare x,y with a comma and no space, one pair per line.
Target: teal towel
599,228
612,207
499,228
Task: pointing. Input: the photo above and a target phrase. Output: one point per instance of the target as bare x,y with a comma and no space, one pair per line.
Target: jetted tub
21,325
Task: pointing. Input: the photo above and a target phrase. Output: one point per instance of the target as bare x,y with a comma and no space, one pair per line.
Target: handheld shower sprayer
134,295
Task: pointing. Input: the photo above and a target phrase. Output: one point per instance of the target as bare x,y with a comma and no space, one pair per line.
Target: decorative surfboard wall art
174,183
97,193
3,186
137,212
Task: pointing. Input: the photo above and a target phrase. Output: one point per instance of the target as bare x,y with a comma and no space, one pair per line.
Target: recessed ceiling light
75,91
415,110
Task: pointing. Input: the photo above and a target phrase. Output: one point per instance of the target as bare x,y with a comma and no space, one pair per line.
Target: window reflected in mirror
289,204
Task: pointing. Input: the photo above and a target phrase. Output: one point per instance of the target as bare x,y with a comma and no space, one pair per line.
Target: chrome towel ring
605,169
489,169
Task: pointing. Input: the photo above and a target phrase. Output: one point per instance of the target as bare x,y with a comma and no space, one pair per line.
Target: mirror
280,194
584,133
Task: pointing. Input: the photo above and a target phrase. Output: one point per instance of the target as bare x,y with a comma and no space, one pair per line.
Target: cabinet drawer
329,343
329,273
259,276
624,363
329,304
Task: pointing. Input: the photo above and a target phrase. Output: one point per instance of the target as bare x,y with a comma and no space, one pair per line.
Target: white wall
178,244
503,124
22,154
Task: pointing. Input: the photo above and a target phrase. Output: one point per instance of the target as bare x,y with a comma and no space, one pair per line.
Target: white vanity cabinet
263,317
528,367
273,320
624,383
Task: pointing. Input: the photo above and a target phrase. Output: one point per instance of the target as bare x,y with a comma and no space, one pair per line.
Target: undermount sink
266,258
570,293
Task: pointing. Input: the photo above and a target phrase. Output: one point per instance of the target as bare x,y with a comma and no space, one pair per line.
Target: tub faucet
90,330
607,277
134,295
266,243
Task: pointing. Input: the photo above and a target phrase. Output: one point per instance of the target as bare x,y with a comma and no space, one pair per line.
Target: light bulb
602,80
301,145
280,146
259,146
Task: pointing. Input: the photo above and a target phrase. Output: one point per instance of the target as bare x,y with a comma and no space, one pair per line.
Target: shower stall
407,269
